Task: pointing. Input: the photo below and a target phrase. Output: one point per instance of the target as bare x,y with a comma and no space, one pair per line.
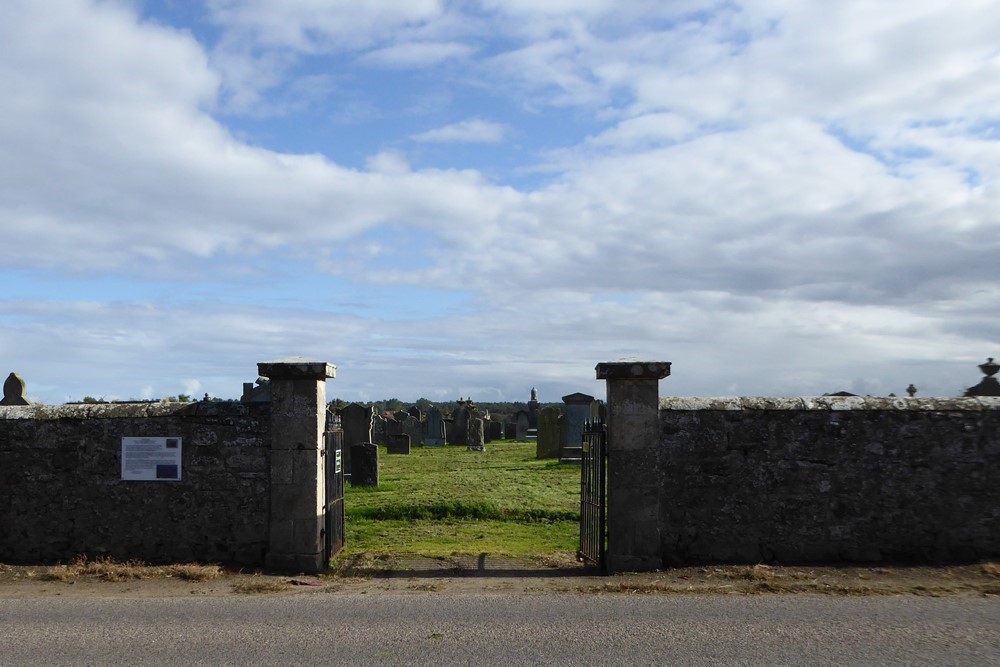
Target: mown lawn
448,501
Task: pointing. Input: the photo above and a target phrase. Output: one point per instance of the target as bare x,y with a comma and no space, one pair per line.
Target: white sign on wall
151,459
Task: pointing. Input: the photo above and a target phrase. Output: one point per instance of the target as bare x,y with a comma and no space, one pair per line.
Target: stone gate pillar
296,542
633,427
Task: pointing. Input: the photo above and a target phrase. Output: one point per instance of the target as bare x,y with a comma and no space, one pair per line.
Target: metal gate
593,493
334,467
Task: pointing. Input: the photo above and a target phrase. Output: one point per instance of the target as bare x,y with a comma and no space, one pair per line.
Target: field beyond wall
447,501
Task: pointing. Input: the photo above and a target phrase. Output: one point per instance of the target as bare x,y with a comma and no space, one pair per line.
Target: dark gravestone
549,433
379,430
495,430
989,385
356,421
412,428
434,429
398,444
458,434
510,431
415,412
521,426
364,464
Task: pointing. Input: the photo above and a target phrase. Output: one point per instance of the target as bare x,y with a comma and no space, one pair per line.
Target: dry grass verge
108,569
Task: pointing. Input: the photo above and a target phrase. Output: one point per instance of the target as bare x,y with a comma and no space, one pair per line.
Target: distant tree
91,399
337,404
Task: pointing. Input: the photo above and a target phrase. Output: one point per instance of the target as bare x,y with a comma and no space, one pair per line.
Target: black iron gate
333,456
593,493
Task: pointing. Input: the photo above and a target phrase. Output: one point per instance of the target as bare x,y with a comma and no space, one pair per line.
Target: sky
472,198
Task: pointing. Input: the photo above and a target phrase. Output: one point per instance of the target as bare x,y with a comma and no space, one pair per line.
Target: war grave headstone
398,444
549,433
434,427
364,464
476,435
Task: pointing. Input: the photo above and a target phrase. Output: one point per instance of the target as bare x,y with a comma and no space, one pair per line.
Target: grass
447,501
108,569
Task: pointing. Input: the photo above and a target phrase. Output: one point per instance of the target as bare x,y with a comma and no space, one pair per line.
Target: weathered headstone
476,435
510,431
398,444
495,430
434,427
364,464
549,433
415,412
521,426
13,391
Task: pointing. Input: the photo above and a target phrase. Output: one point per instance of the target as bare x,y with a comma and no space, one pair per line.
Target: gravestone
398,444
494,430
356,421
364,464
392,427
415,412
476,435
13,391
487,432
576,413
510,431
458,434
379,429
533,410
549,433
434,427
401,415
521,426
412,428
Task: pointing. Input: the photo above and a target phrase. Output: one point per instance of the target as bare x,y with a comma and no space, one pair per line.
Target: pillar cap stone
628,369
296,368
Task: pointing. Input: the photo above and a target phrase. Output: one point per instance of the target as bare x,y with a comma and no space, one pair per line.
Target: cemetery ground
450,521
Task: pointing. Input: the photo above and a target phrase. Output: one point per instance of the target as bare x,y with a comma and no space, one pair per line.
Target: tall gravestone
458,434
549,433
434,427
356,421
576,413
476,435
379,430
533,409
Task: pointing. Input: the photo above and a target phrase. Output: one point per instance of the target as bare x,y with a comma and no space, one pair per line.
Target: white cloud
473,130
415,55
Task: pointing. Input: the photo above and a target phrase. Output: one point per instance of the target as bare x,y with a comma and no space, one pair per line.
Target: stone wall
829,479
749,480
61,492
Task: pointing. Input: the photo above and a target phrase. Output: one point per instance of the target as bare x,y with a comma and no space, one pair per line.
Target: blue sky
462,198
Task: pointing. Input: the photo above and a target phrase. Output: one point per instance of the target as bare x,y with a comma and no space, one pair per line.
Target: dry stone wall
828,479
61,492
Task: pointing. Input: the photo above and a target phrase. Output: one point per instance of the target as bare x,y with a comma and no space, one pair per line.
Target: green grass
448,501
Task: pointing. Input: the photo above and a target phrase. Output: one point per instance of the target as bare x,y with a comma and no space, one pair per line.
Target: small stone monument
13,391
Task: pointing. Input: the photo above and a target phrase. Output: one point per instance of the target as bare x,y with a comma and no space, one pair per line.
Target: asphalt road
482,629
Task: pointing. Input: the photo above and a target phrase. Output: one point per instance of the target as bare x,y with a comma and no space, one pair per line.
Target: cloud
415,55
473,130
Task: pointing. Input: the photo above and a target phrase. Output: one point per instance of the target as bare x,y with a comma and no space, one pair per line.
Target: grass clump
258,585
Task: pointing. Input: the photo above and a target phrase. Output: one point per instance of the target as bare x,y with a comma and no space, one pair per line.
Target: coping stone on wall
833,403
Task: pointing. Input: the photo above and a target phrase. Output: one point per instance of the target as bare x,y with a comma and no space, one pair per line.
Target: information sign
151,459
